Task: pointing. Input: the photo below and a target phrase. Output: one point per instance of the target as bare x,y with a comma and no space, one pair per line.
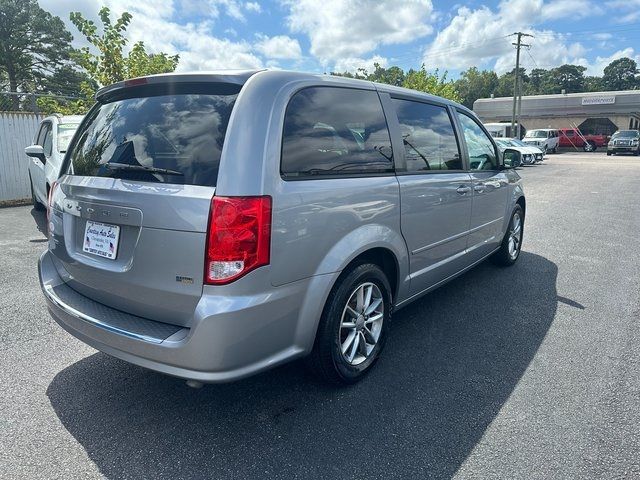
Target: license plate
101,239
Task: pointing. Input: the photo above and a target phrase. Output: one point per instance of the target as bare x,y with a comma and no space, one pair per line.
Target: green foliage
420,80
391,76
621,74
66,80
569,78
33,43
110,64
432,83
48,105
474,84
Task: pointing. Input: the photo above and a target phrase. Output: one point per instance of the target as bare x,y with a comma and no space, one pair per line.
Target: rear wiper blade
141,168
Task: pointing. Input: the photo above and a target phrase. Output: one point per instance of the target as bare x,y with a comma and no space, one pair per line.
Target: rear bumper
228,339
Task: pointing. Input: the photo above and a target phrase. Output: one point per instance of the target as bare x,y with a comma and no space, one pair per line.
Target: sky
343,35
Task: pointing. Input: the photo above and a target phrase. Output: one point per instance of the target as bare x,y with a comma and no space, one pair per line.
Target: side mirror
511,158
36,151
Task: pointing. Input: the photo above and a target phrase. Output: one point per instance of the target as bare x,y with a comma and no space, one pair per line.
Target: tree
474,84
66,80
432,83
110,64
539,82
621,74
391,76
32,43
569,78
593,84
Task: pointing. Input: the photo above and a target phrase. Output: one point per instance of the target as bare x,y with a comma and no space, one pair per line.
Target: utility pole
516,81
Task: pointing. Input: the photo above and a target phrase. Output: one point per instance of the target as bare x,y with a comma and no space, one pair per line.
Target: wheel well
385,259
523,203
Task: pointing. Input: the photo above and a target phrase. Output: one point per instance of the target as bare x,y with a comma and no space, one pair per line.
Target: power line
531,57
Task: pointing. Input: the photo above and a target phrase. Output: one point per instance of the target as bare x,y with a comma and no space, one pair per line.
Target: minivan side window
428,137
42,132
482,153
47,144
335,131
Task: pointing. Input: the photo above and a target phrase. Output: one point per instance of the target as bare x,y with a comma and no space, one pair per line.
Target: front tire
352,329
509,251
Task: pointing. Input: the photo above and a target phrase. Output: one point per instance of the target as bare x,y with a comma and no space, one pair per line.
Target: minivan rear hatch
130,217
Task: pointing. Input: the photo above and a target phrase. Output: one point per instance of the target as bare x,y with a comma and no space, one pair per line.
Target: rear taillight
50,201
238,239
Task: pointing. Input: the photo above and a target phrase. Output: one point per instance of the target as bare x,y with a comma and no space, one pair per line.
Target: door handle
479,188
463,189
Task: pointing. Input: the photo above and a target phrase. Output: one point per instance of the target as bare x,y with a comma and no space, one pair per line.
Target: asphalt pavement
526,372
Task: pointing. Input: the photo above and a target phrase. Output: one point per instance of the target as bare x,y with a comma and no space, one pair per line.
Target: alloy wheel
361,323
515,236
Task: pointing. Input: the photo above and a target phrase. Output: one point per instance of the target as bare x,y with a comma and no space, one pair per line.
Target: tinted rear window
182,133
335,131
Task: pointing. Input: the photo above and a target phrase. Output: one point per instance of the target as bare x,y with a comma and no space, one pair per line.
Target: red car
572,137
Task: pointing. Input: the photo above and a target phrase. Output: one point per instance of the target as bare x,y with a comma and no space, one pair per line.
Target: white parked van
501,130
546,139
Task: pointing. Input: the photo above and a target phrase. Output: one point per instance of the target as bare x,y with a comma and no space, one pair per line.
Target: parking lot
527,372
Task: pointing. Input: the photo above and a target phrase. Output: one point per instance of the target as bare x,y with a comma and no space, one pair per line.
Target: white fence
17,131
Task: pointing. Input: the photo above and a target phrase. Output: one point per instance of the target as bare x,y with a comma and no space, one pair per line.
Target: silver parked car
211,226
47,152
527,154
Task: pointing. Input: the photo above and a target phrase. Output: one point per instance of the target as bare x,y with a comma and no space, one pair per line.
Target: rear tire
509,251
589,147
352,332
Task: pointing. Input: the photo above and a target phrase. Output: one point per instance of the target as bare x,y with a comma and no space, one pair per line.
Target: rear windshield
65,134
162,138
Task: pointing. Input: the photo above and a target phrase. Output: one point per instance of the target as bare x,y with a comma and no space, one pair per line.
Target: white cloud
198,49
482,36
253,7
627,11
340,29
598,65
152,23
354,64
280,46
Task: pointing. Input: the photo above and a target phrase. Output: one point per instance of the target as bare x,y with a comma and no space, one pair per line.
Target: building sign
604,100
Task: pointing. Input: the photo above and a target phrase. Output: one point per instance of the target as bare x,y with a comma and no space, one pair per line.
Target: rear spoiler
230,77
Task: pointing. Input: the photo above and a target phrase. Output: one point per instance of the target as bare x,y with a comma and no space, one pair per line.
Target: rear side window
162,138
428,137
335,131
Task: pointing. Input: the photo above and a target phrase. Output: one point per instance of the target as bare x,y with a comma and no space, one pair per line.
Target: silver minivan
211,226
